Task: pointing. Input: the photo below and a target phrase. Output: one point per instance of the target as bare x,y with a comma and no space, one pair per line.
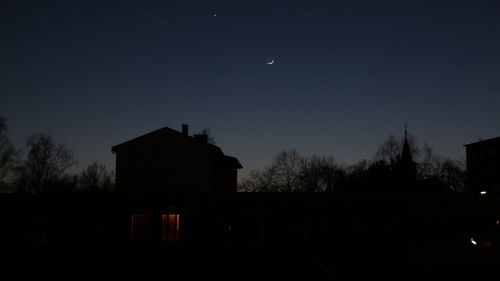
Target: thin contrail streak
317,9
160,21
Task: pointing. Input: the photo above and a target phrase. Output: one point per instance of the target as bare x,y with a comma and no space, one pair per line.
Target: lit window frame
170,226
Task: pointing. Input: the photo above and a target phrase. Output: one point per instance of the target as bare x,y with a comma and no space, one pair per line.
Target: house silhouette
483,165
166,160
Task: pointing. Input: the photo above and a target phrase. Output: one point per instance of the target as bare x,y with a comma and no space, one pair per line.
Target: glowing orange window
140,227
170,227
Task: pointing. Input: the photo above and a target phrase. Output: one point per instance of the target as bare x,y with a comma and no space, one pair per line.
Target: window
170,227
140,227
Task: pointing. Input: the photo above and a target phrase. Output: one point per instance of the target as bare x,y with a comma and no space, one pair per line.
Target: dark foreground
250,237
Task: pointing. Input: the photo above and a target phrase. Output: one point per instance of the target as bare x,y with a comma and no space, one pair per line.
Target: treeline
291,172
43,167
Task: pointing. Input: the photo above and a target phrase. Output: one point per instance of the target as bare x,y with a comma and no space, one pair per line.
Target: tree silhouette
287,165
45,164
205,135
289,172
260,181
96,178
450,173
430,165
434,172
7,157
281,176
390,151
319,174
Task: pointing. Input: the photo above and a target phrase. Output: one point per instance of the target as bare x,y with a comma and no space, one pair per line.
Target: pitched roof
163,132
171,133
496,139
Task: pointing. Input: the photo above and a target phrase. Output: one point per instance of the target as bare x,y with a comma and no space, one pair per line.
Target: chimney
185,129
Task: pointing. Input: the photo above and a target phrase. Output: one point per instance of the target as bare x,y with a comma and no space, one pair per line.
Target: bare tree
7,157
287,166
45,163
96,178
430,165
449,172
390,151
291,173
357,172
281,176
453,175
333,175
205,135
311,174
318,174
260,181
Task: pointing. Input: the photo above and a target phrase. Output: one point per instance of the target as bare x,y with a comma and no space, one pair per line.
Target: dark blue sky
347,73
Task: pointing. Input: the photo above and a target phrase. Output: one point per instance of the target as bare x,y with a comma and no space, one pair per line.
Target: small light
498,222
482,192
472,241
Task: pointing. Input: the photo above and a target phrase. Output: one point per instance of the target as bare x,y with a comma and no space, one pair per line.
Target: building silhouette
406,168
166,160
204,235
483,165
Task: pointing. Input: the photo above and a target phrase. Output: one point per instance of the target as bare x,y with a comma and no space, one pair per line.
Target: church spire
407,169
406,152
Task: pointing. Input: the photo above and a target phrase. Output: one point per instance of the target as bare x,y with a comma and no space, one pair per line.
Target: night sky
347,74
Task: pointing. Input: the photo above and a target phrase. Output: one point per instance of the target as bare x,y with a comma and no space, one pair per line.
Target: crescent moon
271,62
